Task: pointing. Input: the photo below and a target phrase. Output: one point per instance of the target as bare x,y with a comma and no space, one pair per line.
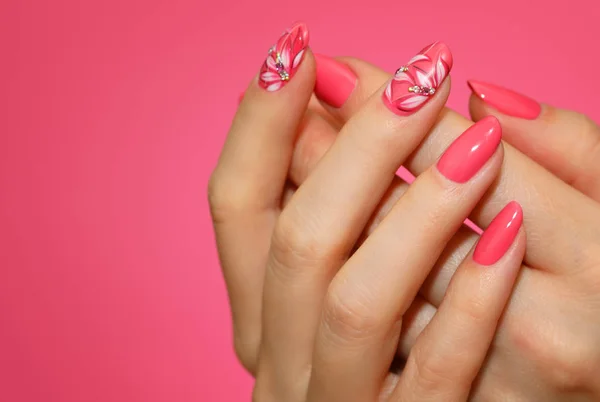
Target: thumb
566,143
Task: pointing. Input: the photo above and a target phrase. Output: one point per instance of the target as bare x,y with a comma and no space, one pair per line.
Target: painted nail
335,81
284,58
469,152
500,234
418,80
506,101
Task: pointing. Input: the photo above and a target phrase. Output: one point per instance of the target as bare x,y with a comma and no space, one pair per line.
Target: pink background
113,114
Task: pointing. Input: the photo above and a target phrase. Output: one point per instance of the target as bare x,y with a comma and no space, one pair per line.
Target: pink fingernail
335,81
416,82
469,152
500,234
284,58
506,101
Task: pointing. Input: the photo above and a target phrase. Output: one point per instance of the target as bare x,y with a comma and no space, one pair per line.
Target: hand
548,344
328,319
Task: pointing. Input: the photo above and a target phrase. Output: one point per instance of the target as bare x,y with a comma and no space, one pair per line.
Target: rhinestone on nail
425,91
402,69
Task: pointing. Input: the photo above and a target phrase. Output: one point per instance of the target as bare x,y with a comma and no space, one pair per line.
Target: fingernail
335,81
500,234
469,152
417,81
506,101
284,58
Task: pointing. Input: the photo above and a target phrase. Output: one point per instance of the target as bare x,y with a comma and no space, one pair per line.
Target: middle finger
320,225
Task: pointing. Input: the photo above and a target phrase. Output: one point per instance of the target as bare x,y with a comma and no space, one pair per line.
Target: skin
283,278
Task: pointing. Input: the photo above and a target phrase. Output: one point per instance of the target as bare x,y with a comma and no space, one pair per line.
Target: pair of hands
334,266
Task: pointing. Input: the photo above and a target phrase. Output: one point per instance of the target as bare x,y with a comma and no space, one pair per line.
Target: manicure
335,81
499,236
506,101
418,80
469,152
284,58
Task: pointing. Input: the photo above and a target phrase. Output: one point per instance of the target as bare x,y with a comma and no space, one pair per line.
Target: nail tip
303,28
514,212
447,54
443,50
515,206
495,128
474,87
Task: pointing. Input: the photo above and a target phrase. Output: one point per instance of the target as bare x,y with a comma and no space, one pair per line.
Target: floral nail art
284,58
414,83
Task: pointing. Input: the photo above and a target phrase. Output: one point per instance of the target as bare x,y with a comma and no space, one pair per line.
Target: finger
539,192
314,141
246,187
367,299
438,367
565,142
318,229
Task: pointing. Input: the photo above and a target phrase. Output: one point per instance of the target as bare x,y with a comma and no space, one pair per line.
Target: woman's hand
548,344
318,317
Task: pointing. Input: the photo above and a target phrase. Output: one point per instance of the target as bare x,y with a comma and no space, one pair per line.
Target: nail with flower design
417,81
284,58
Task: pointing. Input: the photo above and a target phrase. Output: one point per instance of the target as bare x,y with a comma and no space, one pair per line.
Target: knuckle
296,243
563,359
348,314
222,198
431,373
468,308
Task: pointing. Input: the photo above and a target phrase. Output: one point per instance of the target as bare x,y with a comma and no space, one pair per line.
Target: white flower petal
388,91
411,102
440,72
402,76
423,80
269,76
271,62
419,57
298,59
274,87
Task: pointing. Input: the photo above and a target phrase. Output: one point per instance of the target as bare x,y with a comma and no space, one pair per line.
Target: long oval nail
417,81
506,101
469,152
284,58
